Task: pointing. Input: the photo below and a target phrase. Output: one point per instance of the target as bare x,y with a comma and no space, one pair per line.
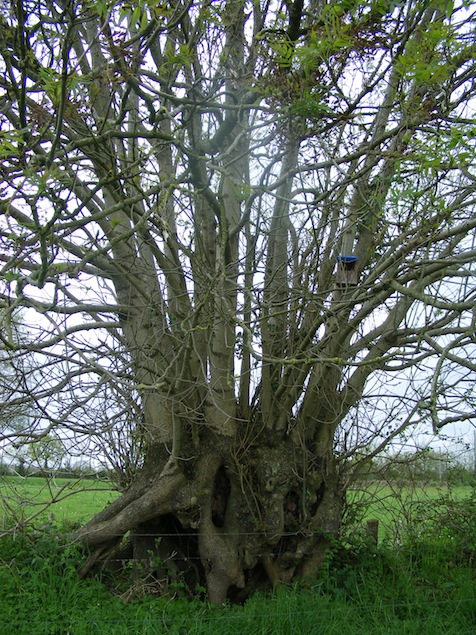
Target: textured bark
232,518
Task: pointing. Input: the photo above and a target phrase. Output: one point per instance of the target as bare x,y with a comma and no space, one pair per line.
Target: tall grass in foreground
427,585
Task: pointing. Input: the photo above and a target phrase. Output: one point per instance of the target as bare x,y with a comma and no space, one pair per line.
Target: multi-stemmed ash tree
236,228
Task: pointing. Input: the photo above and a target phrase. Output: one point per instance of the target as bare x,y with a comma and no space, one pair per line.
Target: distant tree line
21,467
425,466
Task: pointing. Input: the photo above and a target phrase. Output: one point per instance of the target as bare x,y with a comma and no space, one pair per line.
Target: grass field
398,507
425,585
76,500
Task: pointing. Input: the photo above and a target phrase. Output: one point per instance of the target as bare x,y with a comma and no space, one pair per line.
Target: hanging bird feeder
346,274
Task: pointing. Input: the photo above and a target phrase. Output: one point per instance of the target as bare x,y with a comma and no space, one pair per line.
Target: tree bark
236,515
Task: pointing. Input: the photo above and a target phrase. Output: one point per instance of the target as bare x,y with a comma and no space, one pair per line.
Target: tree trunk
236,514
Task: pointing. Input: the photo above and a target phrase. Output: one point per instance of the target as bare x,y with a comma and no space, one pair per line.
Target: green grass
377,593
77,500
397,507
427,585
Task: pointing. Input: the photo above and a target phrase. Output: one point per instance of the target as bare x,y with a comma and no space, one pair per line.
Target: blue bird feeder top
341,258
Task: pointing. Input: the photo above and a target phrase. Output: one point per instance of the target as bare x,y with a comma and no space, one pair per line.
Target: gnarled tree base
223,521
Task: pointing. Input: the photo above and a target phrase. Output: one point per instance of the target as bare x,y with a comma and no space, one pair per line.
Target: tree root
197,530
